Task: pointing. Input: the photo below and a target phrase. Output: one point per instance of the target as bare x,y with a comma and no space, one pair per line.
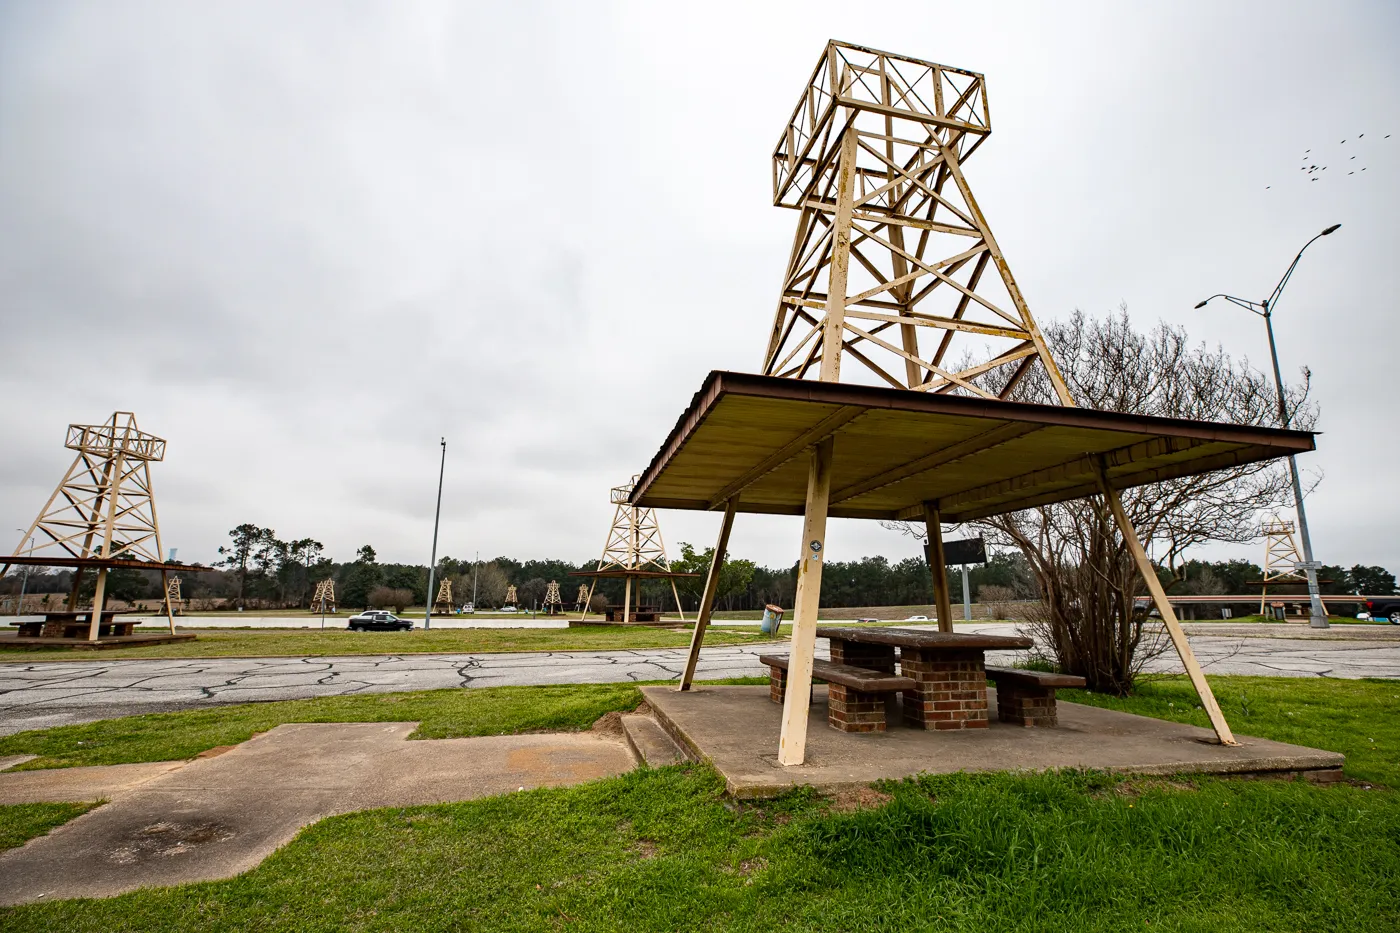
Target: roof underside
896,449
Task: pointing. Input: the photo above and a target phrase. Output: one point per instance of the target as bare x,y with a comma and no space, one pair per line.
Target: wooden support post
1164,607
99,596
165,588
792,743
707,601
627,601
938,566
680,610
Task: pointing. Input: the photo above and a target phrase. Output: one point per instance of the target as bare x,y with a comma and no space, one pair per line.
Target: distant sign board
967,551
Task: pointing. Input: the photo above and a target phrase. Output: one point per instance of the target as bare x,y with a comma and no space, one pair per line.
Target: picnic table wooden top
918,638
83,614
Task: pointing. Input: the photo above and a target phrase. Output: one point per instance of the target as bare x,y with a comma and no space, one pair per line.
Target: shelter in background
553,605
893,266
633,552
443,603
324,598
101,516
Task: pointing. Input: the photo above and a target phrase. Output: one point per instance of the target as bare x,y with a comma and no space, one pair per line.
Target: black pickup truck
1384,607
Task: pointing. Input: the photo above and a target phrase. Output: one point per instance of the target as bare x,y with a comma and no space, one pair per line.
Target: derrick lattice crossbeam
893,263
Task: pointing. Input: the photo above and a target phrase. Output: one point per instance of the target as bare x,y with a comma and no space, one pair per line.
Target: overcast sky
304,240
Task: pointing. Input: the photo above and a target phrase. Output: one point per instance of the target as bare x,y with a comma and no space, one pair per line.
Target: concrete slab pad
216,817
9,761
736,729
79,785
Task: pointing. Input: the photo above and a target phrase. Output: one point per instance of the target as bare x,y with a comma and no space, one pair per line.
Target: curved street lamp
1265,309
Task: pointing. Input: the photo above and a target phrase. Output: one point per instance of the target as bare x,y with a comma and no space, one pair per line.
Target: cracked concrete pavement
48,693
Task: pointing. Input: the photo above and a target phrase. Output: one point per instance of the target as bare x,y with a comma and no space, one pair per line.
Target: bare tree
1087,579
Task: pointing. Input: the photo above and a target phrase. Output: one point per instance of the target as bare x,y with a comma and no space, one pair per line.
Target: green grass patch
278,643
1355,717
442,714
662,850
21,822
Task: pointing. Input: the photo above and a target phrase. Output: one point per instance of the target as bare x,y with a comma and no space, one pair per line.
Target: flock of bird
1313,171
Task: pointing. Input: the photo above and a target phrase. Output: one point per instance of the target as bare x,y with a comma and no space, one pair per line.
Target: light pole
1265,309
432,564
24,581
476,564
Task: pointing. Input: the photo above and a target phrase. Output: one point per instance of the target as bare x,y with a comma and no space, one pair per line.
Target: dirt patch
216,751
610,724
645,849
752,866
863,798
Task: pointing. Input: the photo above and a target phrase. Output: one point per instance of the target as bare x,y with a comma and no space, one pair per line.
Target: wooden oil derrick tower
443,603
1282,559
893,265
553,605
581,600
102,515
324,598
633,551
172,591
510,595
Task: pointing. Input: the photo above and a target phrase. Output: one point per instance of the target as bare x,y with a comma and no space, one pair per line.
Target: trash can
772,619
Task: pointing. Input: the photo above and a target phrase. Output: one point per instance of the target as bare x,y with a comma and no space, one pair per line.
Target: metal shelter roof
896,449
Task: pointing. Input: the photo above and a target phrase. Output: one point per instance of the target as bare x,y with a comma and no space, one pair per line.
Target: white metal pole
967,597
432,564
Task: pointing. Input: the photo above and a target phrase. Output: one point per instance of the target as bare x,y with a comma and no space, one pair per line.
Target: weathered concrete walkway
49,693
216,817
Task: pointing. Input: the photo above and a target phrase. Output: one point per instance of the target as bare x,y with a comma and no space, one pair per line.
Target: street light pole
1265,309
432,564
476,564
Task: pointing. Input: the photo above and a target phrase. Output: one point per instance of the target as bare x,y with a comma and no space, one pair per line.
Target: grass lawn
277,643
21,822
442,714
664,850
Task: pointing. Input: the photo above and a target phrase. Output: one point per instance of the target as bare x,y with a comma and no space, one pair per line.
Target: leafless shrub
385,597
997,600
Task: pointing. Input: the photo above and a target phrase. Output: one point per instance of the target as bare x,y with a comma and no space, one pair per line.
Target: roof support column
1159,598
707,601
938,566
792,742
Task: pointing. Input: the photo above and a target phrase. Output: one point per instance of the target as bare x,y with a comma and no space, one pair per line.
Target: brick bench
857,696
1027,698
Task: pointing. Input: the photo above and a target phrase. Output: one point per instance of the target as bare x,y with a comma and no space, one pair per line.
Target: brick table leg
854,710
1027,706
777,684
951,691
872,657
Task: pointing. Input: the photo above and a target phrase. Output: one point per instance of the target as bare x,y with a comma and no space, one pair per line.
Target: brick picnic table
75,625
948,669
